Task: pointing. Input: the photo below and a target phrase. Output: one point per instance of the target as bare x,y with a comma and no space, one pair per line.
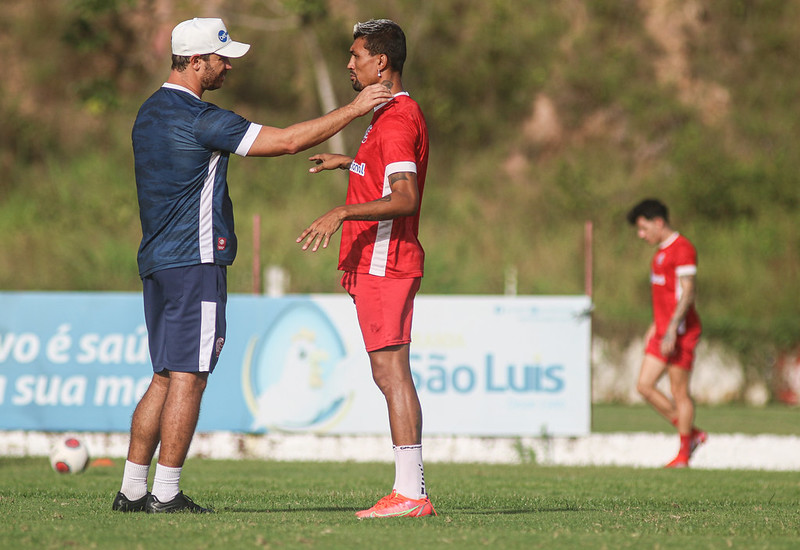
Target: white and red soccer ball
69,456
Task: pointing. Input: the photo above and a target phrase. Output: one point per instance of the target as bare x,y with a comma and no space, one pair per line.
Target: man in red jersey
380,254
675,331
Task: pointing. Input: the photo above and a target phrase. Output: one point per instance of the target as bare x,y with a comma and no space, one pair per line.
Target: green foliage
479,55
307,9
497,199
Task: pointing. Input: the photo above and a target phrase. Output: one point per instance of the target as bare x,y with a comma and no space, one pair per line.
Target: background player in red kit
675,331
380,255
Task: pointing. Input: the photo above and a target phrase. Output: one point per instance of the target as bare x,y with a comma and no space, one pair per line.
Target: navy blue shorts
184,308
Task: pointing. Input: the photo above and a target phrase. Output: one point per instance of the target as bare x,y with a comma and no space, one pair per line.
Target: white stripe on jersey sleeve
684,270
380,251
248,139
206,219
395,167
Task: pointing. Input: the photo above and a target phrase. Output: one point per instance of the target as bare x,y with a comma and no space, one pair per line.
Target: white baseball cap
200,36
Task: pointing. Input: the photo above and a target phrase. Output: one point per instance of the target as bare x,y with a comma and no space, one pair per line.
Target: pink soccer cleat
395,505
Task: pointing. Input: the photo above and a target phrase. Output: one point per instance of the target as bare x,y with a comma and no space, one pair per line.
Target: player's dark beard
357,85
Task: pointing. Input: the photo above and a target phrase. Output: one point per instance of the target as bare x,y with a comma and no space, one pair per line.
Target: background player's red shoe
698,438
679,462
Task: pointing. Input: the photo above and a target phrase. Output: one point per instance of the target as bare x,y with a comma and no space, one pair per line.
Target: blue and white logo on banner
291,375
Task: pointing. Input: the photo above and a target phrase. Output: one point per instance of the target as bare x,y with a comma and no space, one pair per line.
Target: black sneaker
181,503
124,504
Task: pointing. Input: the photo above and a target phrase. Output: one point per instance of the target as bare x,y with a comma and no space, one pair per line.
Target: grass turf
311,505
776,419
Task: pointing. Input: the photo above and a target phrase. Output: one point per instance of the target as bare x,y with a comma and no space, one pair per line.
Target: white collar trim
382,105
669,240
179,88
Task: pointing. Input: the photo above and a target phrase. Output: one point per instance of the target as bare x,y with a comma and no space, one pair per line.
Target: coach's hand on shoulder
370,97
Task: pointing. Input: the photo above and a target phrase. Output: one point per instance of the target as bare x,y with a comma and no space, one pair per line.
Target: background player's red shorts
384,307
683,356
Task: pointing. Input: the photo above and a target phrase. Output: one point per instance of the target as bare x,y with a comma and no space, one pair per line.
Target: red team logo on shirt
222,242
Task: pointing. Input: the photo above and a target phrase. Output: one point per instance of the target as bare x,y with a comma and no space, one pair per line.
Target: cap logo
223,36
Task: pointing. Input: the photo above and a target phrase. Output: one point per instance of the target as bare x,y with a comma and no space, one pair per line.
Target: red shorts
384,307
683,354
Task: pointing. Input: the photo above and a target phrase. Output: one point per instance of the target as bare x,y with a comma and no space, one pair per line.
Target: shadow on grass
286,510
511,511
468,511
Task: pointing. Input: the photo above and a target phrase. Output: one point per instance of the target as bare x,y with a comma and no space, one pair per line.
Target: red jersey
395,141
675,257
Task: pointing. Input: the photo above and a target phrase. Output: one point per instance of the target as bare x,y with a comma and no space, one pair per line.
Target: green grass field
776,419
262,504
310,505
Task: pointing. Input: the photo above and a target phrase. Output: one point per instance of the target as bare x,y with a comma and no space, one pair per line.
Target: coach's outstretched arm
273,142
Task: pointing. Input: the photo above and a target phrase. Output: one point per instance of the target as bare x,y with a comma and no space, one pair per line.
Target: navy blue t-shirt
181,147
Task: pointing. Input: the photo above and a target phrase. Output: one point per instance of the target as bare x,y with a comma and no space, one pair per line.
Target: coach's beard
211,81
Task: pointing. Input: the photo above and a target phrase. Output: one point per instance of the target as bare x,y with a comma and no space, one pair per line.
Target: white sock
409,475
165,482
134,480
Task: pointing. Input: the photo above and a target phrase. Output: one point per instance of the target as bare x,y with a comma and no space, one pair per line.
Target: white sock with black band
409,475
134,480
165,482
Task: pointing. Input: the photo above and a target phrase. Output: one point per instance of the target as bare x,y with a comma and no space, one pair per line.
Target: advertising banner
483,365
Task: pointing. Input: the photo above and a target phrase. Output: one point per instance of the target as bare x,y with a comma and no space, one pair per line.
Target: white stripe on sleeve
248,140
395,167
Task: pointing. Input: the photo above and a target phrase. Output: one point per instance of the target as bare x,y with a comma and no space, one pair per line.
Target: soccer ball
69,456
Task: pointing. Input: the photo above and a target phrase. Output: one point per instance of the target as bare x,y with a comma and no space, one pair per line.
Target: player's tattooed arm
402,201
688,288
373,216
688,293
397,176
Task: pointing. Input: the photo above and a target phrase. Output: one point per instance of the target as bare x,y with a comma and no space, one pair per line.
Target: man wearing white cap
181,148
